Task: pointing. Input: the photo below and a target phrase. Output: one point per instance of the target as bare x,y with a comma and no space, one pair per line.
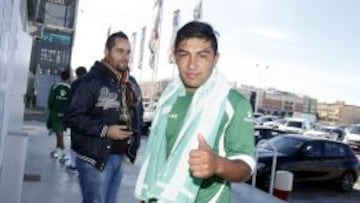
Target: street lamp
260,67
257,102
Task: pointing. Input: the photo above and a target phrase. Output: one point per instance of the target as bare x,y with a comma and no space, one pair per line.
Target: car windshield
283,144
324,129
279,121
294,124
355,129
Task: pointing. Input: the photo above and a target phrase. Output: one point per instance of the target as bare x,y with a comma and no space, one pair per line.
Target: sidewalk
48,179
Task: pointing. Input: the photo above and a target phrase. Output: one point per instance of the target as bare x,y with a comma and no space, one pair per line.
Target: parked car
262,132
275,123
295,125
309,159
149,113
266,118
327,132
352,137
257,115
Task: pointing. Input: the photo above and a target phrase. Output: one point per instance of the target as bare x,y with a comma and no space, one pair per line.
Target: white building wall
6,9
15,49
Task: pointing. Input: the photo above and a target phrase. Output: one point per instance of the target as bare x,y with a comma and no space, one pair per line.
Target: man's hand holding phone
118,132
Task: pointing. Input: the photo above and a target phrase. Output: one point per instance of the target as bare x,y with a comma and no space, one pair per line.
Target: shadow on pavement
35,114
323,192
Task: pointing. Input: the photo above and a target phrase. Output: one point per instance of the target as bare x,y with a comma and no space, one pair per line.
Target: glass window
294,124
334,150
355,129
286,145
313,149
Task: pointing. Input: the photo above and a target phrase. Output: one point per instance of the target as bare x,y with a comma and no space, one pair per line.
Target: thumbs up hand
202,143
203,161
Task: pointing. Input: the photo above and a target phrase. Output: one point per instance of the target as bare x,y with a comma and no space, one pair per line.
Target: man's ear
106,52
217,56
173,50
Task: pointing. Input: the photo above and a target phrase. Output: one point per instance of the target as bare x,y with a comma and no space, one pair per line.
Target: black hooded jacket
93,107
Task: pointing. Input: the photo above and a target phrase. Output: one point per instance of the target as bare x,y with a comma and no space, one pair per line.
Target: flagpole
176,22
132,54
140,75
197,15
109,31
141,56
157,53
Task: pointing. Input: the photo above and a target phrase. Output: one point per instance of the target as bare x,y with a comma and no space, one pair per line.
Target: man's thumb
202,142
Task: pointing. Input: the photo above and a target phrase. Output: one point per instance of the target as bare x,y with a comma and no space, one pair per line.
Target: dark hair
80,71
110,42
198,30
65,75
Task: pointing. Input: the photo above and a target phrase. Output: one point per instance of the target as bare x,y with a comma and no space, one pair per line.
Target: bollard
283,184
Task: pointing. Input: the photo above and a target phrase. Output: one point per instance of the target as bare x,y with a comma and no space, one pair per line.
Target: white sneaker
71,169
65,160
54,154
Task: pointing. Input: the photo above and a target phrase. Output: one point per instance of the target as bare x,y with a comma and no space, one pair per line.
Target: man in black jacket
80,72
105,116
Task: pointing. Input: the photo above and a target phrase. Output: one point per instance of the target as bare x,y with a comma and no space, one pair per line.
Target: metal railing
273,167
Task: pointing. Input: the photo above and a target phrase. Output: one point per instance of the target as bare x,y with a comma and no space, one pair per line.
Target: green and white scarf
170,180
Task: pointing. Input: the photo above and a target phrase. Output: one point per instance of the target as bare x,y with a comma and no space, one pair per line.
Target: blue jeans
100,186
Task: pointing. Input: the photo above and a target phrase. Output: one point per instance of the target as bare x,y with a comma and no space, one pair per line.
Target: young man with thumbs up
202,135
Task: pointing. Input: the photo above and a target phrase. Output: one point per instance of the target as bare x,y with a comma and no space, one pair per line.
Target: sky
310,47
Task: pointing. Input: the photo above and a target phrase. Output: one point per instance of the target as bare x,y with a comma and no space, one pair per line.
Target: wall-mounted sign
58,38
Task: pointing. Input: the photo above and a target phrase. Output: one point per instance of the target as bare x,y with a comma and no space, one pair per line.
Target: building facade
338,113
272,101
52,24
36,38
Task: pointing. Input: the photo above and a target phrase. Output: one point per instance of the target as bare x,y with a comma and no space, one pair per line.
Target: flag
133,45
158,3
198,11
154,41
109,31
176,22
142,44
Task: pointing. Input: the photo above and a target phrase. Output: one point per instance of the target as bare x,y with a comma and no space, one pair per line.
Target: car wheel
346,182
264,183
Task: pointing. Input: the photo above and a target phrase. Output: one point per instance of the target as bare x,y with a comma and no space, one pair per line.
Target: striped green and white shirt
234,140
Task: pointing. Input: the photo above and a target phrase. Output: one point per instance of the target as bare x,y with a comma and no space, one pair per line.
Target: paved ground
57,186
323,193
